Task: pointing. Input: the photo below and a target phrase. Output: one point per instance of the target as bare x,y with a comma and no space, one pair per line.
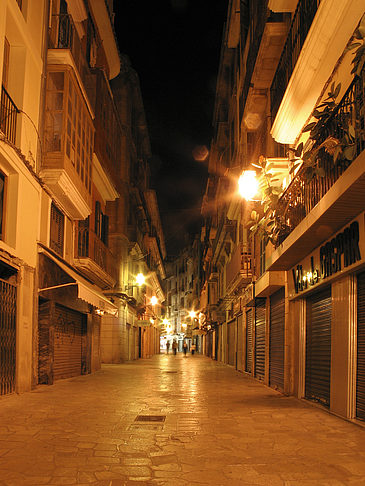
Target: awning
85,290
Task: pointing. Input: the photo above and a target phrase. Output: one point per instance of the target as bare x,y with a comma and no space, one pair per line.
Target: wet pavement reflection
173,420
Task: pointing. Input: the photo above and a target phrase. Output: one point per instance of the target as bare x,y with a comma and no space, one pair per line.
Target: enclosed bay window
69,134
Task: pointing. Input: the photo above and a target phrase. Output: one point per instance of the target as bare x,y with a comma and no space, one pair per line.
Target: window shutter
105,229
56,230
97,218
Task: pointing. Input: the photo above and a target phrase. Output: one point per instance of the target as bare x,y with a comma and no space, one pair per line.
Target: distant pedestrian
185,347
193,348
174,346
167,347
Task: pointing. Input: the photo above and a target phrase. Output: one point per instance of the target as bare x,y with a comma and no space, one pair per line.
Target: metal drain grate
150,418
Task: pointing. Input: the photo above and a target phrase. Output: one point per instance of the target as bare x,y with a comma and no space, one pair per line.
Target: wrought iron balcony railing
64,35
89,245
301,23
8,116
302,195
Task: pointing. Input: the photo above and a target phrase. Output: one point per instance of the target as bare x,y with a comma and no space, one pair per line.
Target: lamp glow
140,279
248,185
192,314
154,300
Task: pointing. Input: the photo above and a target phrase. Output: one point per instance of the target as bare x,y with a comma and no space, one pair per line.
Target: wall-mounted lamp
248,185
140,280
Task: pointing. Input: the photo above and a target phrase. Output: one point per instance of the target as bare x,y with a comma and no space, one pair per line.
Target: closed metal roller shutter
318,347
231,342
277,325
239,343
68,331
249,320
360,378
260,339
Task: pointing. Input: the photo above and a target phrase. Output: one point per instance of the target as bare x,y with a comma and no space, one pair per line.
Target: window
101,224
6,63
2,192
91,46
56,230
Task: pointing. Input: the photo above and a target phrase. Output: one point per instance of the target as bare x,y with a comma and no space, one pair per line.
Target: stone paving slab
221,428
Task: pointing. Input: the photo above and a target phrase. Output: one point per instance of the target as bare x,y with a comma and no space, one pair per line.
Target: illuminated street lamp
192,314
154,300
248,185
140,279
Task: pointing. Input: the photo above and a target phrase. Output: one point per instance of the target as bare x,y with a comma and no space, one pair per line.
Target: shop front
69,314
249,340
260,334
277,340
231,342
327,306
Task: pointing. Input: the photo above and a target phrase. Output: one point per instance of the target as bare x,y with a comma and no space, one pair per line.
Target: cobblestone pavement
221,428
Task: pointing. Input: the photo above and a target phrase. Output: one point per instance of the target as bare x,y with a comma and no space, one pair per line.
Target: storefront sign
143,323
342,251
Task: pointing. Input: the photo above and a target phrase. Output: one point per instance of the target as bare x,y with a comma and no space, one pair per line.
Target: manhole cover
150,418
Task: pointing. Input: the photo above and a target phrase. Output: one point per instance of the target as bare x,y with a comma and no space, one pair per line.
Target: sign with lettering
337,254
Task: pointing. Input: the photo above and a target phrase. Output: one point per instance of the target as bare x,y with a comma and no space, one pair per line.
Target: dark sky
174,46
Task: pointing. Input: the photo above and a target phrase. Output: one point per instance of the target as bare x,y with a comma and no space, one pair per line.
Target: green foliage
358,43
267,222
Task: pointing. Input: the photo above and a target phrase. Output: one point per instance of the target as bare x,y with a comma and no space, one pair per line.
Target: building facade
72,173
288,310
182,295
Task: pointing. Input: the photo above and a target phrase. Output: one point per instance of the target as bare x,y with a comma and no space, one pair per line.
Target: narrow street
219,428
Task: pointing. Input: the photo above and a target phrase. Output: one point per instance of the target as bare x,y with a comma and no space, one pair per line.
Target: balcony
94,259
239,269
301,23
268,33
65,48
8,116
316,209
310,57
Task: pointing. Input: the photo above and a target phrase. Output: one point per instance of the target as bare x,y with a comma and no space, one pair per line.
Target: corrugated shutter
360,378
239,343
277,325
231,342
318,347
68,331
249,320
260,339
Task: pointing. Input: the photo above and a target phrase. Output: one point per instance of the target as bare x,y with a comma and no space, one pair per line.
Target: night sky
174,45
